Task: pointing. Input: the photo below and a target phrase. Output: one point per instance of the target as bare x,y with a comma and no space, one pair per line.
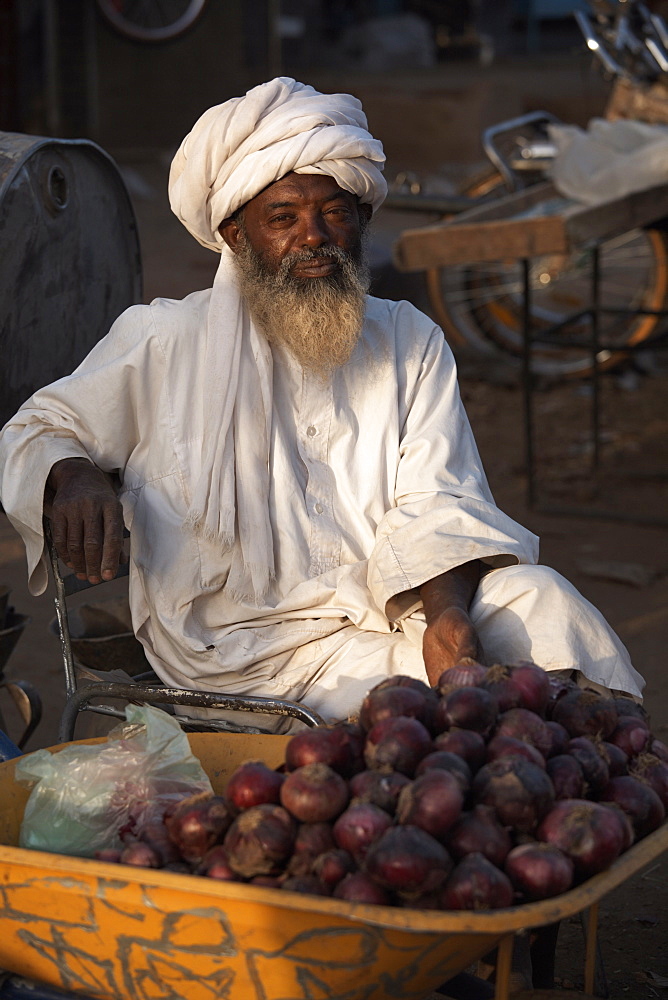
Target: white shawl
234,151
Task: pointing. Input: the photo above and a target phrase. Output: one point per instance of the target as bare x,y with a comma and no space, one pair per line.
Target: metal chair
145,687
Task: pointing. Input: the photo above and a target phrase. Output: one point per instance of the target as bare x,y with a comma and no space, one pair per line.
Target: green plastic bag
84,796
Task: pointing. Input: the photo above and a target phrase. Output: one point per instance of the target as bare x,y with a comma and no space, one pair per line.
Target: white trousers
521,613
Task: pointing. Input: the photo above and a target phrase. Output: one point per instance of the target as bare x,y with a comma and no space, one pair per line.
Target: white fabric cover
233,153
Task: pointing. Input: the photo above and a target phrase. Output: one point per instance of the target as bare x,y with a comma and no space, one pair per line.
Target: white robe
376,487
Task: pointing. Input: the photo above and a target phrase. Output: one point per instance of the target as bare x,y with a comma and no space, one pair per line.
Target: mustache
316,253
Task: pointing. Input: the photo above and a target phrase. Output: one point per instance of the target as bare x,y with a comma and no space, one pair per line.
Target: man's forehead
295,188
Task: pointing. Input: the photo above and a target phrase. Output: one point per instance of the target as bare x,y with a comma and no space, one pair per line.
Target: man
307,505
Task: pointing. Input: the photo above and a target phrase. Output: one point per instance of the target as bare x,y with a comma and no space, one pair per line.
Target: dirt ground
621,565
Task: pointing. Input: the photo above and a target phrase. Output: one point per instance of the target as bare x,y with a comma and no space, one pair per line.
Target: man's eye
280,218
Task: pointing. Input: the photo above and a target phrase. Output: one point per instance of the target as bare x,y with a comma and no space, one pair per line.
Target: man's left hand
448,638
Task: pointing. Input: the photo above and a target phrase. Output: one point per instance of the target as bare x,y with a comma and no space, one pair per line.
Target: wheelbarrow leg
543,952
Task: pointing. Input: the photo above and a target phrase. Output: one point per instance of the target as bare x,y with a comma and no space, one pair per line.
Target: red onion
397,745
653,772
585,713
197,823
337,746
407,860
310,885
626,827
559,738
640,803
390,702
109,854
467,708
507,746
140,855
567,776
444,760
467,673
253,783
358,827
615,758
260,840
558,686
432,802
627,706
476,884
586,832
479,831
378,788
311,840
464,742
357,887
594,767
520,792
522,724
333,865
659,749
314,793
539,871
216,864
523,685
632,735
156,836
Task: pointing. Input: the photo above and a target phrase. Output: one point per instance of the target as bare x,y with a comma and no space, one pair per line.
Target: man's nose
314,231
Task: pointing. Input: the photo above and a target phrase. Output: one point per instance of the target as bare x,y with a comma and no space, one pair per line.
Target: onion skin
197,823
409,861
640,803
140,856
539,871
627,706
522,685
253,783
498,681
467,708
520,792
216,864
432,802
312,839
508,746
631,735
585,832
260,841
314,793
378,788
467,673
522,724
476,884
466,744
584,713
567,777
358,827
479,830
337,746
593,764
397,745
659,749
357,887
444,760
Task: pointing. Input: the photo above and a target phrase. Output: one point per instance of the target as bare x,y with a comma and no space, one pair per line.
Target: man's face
298,214
299,253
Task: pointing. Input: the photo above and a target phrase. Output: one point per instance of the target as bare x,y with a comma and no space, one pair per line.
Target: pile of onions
494,788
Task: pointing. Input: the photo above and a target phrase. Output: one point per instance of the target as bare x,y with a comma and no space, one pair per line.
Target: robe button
311,431
319,508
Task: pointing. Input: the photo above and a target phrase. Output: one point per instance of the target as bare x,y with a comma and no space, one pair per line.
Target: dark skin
300,211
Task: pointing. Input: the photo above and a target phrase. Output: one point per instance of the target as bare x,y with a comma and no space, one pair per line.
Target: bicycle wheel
151,20
480,305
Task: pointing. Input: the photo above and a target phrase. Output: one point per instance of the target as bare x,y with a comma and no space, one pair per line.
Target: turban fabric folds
233,153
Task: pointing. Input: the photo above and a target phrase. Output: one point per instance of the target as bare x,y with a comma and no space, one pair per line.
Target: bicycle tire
151,20
480,305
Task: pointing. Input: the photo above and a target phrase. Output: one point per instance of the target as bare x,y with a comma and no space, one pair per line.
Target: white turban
233,153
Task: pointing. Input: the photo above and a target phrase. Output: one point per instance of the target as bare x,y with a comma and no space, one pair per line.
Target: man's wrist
67,468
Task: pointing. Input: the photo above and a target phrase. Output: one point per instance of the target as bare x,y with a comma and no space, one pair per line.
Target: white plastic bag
84,796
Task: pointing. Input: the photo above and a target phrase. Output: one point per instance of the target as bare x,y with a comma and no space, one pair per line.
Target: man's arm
86,519
450,634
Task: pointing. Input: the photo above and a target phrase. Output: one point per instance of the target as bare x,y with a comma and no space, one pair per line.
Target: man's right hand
86,519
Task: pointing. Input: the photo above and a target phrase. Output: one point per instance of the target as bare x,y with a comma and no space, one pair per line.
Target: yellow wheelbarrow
120,933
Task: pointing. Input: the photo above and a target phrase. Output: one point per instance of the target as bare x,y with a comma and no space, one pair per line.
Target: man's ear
231,231
366,211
